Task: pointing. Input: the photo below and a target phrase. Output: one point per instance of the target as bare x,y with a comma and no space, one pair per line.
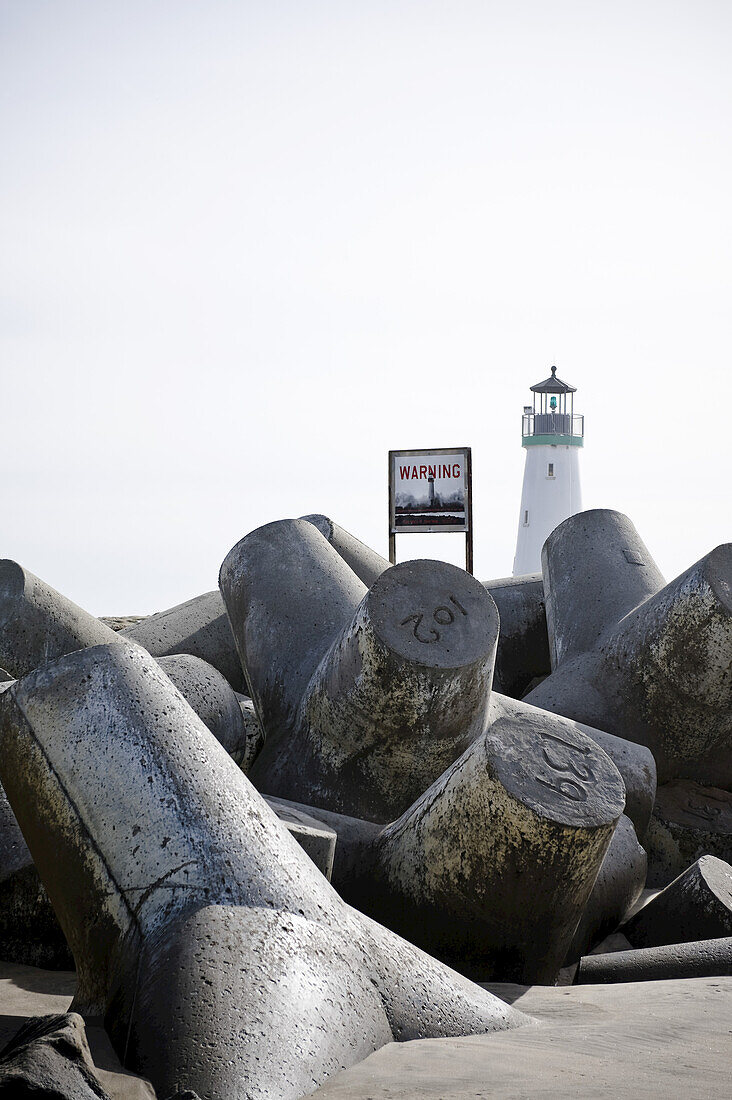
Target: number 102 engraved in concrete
442,615
581,772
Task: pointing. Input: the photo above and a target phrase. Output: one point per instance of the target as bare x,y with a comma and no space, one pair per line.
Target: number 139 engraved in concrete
573,788
442,615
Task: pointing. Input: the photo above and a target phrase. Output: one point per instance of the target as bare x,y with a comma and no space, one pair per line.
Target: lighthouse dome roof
553,385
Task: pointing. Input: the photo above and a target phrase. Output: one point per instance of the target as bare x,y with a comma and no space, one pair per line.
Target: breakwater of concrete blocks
302,815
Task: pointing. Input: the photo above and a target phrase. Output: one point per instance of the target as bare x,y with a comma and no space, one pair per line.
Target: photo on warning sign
428,490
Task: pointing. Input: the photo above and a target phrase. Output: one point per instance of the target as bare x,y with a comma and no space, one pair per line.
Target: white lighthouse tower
552,436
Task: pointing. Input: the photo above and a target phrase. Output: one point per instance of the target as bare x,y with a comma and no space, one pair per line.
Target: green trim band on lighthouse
552,435
553,440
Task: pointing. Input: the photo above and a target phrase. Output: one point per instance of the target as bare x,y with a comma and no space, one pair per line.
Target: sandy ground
651,1039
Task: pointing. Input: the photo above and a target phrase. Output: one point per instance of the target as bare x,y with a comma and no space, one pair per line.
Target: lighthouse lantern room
552,435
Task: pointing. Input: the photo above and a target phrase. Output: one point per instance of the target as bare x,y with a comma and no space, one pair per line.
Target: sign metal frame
465,527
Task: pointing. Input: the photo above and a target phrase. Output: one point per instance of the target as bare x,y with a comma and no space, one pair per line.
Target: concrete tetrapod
493,865
689,820
392,697
221,959
365,562
662,675
402,691
29,931
200,627
634,762
695,906
700,959
595,570
253,735
314,837
288,593
637,767
523,647
522,655
616,889
211,696
38,624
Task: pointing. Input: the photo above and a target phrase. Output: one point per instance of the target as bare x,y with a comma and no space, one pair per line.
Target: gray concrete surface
365,562
596,569
618,886
615,1042
199,627
493,864
522,655
121,622
29,931
212,697
288,593
253,735
661,676
523,645
696,959
38,624
314,836
634,762
491,868
695,906
402,691
220,958
689,820
366,696
648,1040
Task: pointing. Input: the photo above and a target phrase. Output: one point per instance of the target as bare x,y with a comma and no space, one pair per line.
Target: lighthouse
552,435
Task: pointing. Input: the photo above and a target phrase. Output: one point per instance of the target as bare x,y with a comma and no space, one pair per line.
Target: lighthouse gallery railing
552,424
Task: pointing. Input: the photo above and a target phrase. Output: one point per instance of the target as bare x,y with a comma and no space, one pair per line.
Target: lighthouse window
550,471
526,518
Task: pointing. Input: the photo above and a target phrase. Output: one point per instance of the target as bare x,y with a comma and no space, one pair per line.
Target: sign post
431,491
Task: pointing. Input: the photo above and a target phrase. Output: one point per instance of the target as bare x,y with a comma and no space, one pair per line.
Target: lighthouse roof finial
553,385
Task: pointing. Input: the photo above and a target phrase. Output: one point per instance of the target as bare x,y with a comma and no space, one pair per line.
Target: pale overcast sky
246,248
